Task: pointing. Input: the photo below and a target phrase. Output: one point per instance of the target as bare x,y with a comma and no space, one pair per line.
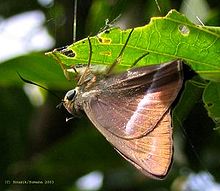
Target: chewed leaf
163,39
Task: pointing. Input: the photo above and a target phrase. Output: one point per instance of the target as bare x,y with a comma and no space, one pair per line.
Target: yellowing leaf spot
106,53
104,40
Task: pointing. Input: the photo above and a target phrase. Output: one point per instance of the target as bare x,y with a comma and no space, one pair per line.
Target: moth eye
70,95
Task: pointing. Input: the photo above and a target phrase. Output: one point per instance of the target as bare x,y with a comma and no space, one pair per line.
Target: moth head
69,101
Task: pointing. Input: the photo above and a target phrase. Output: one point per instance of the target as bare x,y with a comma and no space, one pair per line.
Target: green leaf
164,38
215,30
192,94
35,67
211,98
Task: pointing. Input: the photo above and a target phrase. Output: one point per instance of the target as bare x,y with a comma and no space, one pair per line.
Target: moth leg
136,61
118,59
75,74
65,71
70,73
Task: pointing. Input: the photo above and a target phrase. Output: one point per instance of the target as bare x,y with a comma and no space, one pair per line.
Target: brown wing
131,104
151,154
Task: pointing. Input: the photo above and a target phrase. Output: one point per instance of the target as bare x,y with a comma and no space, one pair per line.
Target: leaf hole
68,52
184,30
209,104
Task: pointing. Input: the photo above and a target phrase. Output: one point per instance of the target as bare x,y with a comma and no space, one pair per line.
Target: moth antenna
33,83
117,60
74,20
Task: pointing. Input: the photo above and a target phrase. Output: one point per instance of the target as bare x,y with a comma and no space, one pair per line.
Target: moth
131,110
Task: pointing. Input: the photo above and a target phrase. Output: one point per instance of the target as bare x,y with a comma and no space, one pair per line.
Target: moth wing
131,104
151,153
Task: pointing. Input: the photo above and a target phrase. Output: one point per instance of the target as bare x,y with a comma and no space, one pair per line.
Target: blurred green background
36,143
